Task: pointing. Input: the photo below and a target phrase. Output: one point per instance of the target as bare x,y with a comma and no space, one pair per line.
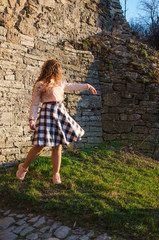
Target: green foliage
153,59
144,53
143,80
133,47
138,66
112,191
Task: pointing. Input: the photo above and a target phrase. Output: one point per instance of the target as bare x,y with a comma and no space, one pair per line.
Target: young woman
54,126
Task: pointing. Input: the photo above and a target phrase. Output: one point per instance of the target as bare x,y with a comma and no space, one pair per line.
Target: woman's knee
56,148
38,148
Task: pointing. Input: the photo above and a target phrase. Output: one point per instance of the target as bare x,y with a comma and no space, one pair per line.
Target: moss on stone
107,61
136,66
143,80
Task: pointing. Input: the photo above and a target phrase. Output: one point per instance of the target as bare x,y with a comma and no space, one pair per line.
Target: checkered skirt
55,126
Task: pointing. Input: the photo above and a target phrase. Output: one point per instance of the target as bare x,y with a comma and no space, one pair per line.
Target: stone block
146,147
112,100
140,129
95,129
26,231
62,232
103,237
94,124
72,237
6,222
123,126
84,104
133,136
27,43
110,116
48,3
2,141
95,140
3,38
10,151
95,118
2,9
2,159
87,113
7,64
55,225
10,77
135,87
3,31
9,84
6,118
39,222
117,127
18,229
15,131
123,117
33,69
26,37
150,118
84,139
5,235
25,150
134,117
93,134
33,236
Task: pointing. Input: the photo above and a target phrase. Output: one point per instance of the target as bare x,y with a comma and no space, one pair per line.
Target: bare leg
56,158
34,152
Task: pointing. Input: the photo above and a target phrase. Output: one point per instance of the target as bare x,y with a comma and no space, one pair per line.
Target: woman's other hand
32,124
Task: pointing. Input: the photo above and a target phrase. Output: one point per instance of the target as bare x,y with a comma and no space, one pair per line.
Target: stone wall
129,76
94,44
32,32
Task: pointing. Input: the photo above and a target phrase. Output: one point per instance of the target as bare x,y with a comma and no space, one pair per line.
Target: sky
132,8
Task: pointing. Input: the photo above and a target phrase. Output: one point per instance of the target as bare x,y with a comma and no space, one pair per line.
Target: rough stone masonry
32,32
125,74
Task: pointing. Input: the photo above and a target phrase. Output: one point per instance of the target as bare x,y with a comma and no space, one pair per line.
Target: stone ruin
32,31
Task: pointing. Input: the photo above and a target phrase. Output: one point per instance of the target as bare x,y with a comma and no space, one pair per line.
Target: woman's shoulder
39,86
64,83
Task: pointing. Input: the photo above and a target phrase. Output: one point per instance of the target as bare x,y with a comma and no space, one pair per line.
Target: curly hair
50,69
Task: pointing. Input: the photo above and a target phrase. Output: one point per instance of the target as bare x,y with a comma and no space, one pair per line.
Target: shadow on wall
85,108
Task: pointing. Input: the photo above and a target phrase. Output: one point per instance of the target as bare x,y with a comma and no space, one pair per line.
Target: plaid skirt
55,126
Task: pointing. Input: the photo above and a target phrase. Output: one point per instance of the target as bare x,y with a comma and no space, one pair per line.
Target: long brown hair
50,68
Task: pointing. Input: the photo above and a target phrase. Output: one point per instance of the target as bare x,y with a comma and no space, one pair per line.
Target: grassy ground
114,192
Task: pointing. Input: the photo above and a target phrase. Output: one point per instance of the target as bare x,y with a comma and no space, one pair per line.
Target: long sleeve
35,101
75,86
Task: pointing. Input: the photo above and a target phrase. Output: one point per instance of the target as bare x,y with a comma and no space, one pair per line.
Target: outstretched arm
78,87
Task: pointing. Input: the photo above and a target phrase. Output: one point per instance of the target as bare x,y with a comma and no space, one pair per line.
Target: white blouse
52,94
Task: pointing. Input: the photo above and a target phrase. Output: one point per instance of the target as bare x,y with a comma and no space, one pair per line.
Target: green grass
108,191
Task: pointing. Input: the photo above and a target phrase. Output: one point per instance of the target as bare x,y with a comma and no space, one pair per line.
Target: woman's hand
32,124
92,89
